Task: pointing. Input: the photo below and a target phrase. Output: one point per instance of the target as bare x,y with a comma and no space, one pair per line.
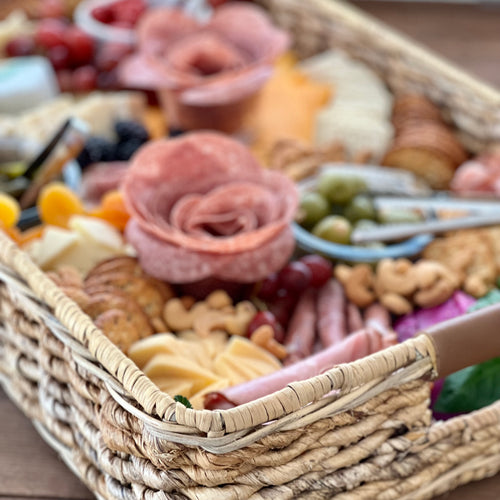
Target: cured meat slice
248,27
332,326
160,28
163,172
177,264
101,178
300,336
355,346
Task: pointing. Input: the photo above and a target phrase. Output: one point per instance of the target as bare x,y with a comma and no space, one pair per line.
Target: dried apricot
31,234
9,210
57,204
112,209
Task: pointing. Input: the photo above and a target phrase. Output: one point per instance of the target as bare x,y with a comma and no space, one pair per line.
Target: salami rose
207,74
202,207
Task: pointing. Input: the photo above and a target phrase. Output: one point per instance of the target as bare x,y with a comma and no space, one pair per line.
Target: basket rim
98,351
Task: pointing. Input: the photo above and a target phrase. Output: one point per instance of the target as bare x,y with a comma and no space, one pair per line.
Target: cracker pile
423,143
124,302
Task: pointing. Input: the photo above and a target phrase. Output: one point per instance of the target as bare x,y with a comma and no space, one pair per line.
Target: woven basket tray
359,431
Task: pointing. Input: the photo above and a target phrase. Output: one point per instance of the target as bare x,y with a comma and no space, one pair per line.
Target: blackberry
96,149
128,130
124,150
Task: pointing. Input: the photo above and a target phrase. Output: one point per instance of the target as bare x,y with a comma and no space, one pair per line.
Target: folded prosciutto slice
202,207
207,74
355,346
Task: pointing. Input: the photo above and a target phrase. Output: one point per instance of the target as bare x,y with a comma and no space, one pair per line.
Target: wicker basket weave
359,431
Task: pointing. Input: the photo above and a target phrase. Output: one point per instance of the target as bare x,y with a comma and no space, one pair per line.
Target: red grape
20,46
80,45
266,318
50,33
103,14
110,54
282,307
295,277
59,57
269,287
217,401
84,78
321,269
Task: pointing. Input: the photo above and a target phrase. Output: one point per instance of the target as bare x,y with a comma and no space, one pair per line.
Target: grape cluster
280,291
72,52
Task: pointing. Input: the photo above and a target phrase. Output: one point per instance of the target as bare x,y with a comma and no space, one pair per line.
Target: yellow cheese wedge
142,351
97,231
170,365
245,349
174,386
53,243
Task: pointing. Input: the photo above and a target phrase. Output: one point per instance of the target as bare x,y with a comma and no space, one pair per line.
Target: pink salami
300,335
100,178
354,318
202,207
207,74
377,314
332,326
355,346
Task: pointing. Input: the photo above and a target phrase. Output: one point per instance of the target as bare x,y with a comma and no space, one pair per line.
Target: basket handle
466,340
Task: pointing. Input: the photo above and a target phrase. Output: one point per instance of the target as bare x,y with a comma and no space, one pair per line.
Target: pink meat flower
209,74
202,207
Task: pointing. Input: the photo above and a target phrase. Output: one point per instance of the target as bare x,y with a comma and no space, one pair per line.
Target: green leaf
183,400
470,389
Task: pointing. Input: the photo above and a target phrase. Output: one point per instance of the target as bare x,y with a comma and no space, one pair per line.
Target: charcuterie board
183,297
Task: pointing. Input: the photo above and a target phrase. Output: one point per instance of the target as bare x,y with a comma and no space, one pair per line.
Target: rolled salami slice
355,346
201,206
332,326
300,335
377,314
354,318
176,264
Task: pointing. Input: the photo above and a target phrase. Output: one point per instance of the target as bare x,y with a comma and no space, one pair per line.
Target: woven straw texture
358,431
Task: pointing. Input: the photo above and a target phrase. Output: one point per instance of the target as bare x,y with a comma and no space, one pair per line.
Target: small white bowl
101,31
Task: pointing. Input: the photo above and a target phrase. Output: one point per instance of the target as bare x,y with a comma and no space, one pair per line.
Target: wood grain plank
465,34
29,467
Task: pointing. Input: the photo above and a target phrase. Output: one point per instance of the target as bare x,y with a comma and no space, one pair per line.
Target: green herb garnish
183,400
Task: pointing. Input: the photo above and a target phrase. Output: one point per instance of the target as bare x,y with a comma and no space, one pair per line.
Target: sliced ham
332,326
377,314
357,345
300,335
354,318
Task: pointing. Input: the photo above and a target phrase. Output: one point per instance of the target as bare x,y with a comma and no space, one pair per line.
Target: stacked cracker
424,144
124,302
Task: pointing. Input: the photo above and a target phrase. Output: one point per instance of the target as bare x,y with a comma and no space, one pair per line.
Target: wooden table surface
468,35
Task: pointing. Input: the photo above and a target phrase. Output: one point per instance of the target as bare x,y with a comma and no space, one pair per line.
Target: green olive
312,208
340,189
334,228
360,207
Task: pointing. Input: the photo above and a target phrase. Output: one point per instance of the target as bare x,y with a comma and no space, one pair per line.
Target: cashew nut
395,276
358,283
178,317
237,324
264,337
397,304
436,283
218,299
